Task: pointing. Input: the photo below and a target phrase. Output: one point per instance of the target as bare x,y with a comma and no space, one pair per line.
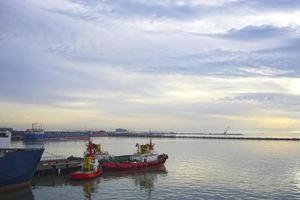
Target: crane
226,130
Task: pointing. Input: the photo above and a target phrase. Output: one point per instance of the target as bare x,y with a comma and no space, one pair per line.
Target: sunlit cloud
166,65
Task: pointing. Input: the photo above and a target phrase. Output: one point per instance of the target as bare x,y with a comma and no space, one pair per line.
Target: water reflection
50,181
24,193
144,179
88,187
297,180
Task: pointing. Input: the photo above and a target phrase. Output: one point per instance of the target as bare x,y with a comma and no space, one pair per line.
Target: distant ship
37,133
17,165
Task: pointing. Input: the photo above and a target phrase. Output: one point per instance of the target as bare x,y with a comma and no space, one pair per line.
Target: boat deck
123,158
58,165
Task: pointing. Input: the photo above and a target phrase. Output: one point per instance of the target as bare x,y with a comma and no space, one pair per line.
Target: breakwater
212,137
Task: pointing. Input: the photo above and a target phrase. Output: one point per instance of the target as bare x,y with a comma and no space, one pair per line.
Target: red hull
121,166
85,175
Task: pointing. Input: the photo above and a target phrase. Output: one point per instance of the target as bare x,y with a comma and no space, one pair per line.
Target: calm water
196,169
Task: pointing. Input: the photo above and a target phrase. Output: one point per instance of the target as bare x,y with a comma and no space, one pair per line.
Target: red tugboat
90,167
143,158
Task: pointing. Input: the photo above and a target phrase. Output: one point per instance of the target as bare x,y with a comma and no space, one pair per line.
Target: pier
238,138
209,136
58,165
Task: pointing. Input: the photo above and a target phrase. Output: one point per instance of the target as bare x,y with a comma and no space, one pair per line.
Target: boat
36,132
90,167
144,157
17,165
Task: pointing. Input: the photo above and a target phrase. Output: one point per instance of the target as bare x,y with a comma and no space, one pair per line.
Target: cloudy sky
169,65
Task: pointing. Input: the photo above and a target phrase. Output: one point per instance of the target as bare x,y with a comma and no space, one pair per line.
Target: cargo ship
144,157
17,165
37,133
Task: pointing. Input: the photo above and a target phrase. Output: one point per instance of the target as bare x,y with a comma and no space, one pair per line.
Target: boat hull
85,175
123,166
17,167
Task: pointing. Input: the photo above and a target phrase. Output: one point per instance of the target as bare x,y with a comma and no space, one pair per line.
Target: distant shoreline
216,137
18,135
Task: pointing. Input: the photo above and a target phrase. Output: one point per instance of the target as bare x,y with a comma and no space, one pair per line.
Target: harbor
37,134
149,100
51,165
110,155
20,164
44,161
202,168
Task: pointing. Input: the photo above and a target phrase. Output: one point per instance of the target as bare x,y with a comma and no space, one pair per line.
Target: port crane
226,130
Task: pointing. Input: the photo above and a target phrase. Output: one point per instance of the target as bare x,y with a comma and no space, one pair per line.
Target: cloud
177,65
272,5
262,71
283,102
176,9
261,32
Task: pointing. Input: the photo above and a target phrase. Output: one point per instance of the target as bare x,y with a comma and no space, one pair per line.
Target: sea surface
196,169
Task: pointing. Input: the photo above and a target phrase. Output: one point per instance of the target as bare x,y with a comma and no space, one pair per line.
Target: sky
160,65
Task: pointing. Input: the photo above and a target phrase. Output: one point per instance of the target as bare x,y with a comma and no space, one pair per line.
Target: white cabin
5,139
144,157
104,155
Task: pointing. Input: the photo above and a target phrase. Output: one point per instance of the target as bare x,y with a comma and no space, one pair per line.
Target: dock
58,165
238,138
209,136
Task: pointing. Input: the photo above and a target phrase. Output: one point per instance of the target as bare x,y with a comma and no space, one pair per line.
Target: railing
50,158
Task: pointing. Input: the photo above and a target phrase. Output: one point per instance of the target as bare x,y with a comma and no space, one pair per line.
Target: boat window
3,134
